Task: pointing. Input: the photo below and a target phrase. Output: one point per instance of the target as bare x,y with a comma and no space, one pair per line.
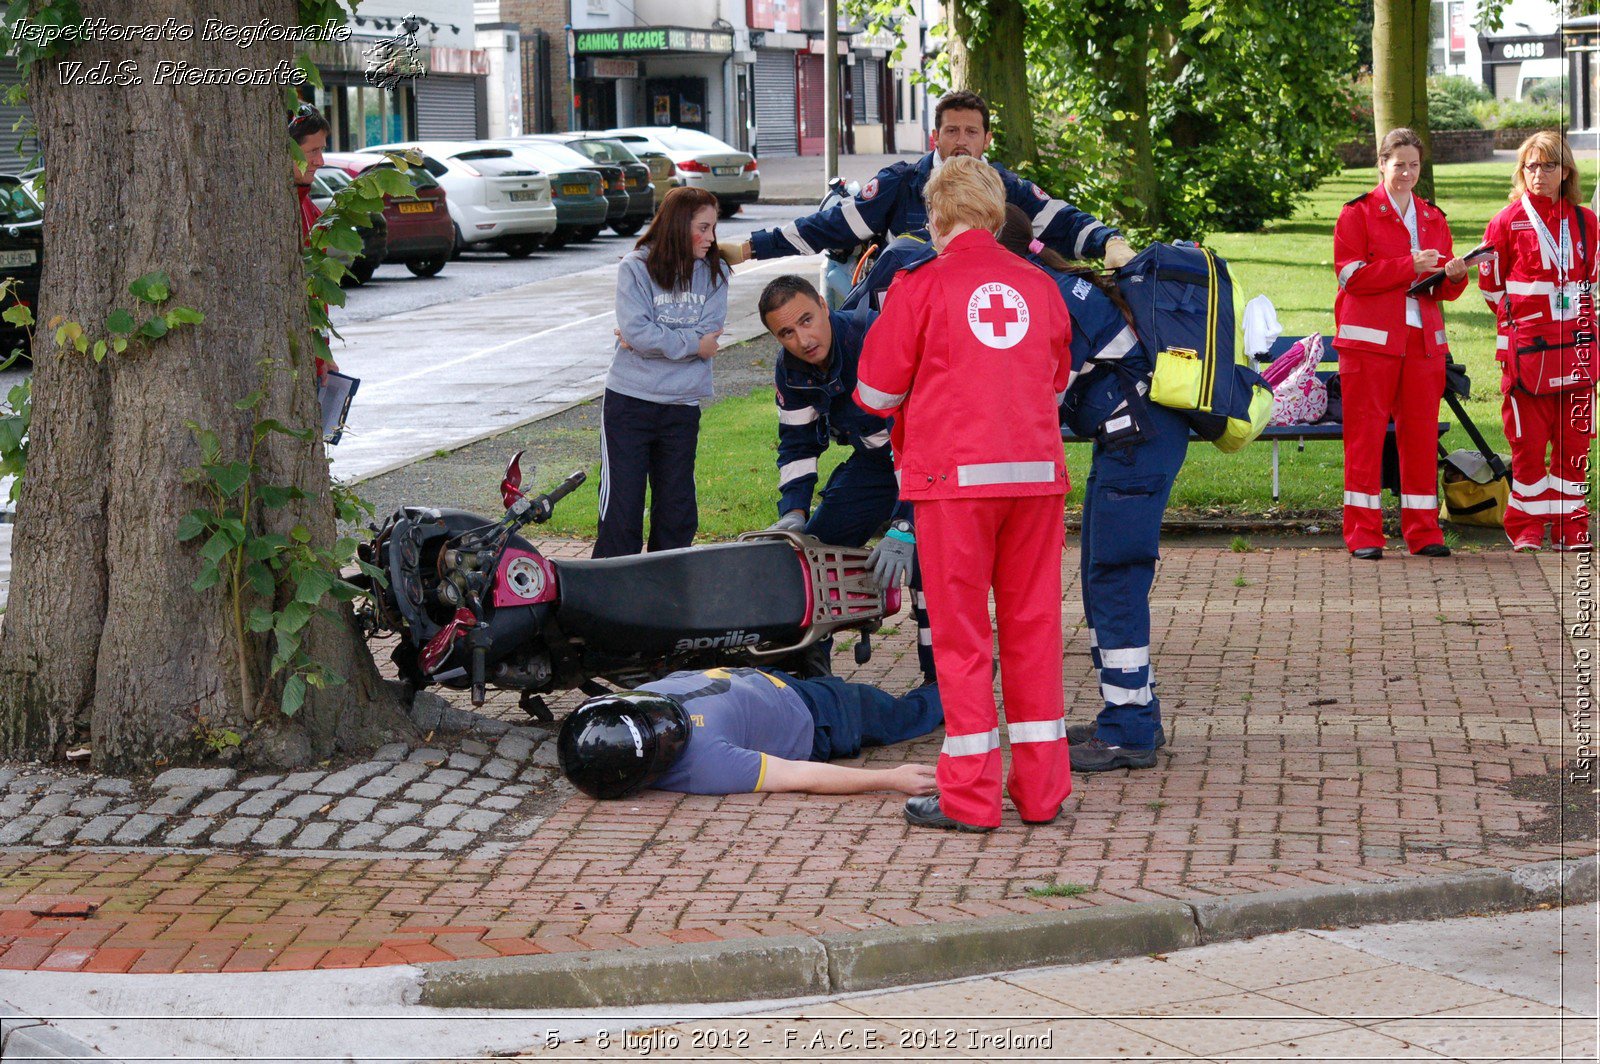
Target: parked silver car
702,161
497,200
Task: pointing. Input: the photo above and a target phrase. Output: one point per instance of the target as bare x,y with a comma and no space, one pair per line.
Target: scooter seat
723,596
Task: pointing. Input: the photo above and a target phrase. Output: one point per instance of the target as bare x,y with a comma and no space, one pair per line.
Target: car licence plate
13,259
529,194
725,171
420,208
574,190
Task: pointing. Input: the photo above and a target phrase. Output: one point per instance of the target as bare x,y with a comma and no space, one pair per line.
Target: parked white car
496,198
702,161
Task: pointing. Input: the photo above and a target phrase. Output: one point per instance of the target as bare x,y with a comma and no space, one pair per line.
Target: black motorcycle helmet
616,745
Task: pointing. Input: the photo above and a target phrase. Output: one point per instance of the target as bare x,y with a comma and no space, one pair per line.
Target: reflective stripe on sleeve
804,416
972,476
1349,269
1061,395
1494,295
796,469
1119,345
1361,332
1439,337
1362,499
1129,658
1042,220
879,400
1083,238
1419,502
792,235
971,745
876,440
858,224
1037,731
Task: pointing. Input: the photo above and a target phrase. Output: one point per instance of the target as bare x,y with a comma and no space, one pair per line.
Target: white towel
1261,326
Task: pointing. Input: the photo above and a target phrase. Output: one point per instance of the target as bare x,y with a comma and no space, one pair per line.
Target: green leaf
251,401
209,576
293,617
274,496
312,586
300,534
191,525
294,694
184,316
119,321
231,477
154,329
18,315
260,578
119,345
260,620
152,287
216,548
99,350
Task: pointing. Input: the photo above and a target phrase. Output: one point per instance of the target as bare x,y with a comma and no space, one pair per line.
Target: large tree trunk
988,56
104,640
1126,75
1400,75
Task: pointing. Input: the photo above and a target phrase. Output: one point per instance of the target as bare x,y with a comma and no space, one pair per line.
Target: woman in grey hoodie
672,301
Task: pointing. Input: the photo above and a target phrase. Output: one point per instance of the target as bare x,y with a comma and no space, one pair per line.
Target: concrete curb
24,1037
799,966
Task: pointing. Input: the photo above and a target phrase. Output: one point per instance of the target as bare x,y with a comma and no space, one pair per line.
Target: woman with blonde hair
1544,309
1392,348
970,356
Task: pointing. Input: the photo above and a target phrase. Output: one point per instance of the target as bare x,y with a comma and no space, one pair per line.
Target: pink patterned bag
1299,396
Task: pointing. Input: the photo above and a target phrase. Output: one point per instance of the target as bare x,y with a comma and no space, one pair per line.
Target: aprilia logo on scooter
736,638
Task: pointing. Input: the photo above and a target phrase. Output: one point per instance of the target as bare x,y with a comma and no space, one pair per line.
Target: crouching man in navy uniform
737,731
892,203
816,375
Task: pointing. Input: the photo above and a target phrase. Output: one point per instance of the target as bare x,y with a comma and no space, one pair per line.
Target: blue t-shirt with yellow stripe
737,718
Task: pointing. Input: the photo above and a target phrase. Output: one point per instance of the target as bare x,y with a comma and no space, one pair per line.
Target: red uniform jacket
1518,283
971,355
1372,256
309,213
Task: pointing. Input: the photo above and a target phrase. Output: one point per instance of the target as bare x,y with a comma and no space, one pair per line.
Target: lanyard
1562,256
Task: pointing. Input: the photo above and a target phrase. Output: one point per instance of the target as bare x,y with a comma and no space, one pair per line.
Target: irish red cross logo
997,315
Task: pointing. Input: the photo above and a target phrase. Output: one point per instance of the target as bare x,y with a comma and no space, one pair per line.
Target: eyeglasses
1541,168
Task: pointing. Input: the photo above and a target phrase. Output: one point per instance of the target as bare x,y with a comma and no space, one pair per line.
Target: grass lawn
1291,262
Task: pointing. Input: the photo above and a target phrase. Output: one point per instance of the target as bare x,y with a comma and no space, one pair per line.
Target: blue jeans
849,716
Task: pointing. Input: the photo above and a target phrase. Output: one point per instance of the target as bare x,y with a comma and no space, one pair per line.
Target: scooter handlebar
540,508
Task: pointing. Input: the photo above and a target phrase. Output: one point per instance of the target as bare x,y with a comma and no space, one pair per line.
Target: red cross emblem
997,315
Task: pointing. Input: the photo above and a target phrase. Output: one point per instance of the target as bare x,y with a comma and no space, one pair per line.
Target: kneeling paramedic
1139,447
971,357
736,731
816,374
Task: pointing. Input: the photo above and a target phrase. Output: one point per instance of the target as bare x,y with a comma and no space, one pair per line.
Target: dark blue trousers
646,443
849,716
859,499
1122,508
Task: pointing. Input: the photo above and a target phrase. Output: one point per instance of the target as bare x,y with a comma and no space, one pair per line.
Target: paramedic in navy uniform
891,204
738,731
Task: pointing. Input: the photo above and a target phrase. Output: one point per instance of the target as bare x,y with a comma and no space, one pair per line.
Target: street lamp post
830,84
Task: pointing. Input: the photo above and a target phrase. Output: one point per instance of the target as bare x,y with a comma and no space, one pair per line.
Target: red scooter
476,604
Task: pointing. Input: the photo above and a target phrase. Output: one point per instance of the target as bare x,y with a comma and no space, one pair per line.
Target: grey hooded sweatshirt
664,328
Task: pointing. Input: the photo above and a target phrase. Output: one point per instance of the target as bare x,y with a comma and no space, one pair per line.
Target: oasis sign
650,39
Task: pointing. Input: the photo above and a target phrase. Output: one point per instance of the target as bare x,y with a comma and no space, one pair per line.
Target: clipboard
335,394
1429,283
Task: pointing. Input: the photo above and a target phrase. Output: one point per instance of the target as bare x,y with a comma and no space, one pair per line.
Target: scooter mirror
511,486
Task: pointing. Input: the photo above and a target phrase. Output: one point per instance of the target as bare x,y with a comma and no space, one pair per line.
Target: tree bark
1126,76
988,56
1400,75
104,640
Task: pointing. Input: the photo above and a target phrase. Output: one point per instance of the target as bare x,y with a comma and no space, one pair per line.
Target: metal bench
1321,430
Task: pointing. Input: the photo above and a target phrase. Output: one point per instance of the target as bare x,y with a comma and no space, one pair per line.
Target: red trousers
1408,389
1013,545
1549,437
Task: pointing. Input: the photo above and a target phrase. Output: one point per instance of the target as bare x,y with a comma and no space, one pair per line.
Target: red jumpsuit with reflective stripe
971,355
1549,434
1388,369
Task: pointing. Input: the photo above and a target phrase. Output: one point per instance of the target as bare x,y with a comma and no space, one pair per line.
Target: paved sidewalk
802,179
1330,724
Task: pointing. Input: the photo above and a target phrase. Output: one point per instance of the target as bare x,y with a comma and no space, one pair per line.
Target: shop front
653,76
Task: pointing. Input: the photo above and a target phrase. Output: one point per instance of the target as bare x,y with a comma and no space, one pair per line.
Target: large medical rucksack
1188,315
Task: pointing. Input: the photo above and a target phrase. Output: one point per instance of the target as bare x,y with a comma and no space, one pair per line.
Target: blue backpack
1188,314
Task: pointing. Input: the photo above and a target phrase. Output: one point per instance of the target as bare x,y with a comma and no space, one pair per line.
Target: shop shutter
858,91
813,103
447,108
869,97
10,161
775,107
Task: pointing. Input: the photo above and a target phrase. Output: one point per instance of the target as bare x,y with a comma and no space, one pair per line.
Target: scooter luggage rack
839,599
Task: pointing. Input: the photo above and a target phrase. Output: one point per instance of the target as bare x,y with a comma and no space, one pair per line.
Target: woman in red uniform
971,358
1392,348
1544,252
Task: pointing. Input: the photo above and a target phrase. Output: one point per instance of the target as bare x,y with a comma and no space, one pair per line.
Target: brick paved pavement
1330,723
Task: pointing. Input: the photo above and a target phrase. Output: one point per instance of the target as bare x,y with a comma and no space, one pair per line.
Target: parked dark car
635,172
421,234
327,181
579,191
21,254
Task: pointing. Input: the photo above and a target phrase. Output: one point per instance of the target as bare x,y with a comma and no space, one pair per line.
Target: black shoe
1051,819
1433,550
1077,734
1098,756
1368,554
925,813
